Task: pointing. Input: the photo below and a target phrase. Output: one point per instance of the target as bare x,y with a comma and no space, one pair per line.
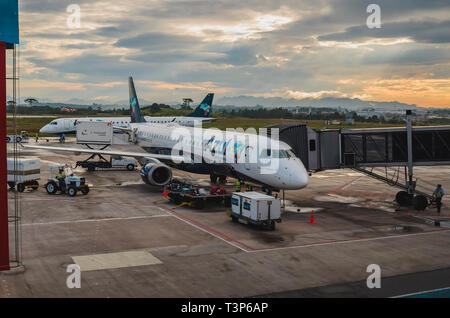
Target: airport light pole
4,237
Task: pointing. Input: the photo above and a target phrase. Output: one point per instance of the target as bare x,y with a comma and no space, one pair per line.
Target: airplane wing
124,129
108,152
208,120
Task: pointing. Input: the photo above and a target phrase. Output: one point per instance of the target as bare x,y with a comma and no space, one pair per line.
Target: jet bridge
387,154
389,146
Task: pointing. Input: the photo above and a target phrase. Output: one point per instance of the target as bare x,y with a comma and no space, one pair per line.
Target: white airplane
205,151
69,125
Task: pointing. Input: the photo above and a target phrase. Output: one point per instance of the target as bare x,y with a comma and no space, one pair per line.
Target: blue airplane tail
135,110
205,107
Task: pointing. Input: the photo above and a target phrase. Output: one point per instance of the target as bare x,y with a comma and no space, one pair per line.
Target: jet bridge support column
410,184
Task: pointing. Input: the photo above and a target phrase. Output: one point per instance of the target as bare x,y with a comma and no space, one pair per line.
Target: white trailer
255,208
24,173
102,133
95,132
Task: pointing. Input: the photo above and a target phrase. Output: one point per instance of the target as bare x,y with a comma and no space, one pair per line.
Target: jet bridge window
312,145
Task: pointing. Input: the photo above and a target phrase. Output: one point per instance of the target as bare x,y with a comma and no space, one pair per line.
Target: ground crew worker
61,179
37,137
248,188
438,194
238,185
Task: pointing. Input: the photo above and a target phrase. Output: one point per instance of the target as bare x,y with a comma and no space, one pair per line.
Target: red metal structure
9,35
4,238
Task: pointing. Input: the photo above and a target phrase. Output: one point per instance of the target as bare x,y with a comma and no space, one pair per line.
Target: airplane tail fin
135,111
205,107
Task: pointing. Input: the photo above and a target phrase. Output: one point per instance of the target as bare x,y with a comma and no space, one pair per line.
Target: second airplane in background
69,125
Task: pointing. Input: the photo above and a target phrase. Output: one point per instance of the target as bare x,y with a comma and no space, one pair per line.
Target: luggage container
25,173
255,208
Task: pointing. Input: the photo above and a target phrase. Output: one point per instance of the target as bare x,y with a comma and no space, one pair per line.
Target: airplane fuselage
69,125
230,153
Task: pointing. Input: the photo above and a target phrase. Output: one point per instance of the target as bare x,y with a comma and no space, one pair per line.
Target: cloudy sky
284,48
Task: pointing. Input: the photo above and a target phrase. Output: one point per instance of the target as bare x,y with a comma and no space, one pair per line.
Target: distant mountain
349,103
81,103
240,101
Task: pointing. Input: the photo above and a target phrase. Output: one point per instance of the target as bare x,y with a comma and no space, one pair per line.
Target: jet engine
157,174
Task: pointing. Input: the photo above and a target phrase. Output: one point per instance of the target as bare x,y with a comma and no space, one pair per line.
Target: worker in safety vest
238,185
438,194
61,179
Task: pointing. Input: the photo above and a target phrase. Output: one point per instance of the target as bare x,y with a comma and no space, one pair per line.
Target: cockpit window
290,153
286,153
265,153
54,123
281,154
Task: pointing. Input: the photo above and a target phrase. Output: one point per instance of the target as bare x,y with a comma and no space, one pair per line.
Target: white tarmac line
99,220
206,231
347,241
351,183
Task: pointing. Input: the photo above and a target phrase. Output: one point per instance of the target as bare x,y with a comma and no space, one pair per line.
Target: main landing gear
419,202
214,178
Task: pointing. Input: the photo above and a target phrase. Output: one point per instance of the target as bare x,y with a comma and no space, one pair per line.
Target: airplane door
247,158
67,124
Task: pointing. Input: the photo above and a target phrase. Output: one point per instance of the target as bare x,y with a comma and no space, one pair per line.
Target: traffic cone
165,192
311,219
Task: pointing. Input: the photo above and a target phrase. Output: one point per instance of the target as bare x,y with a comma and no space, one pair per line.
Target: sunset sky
287,48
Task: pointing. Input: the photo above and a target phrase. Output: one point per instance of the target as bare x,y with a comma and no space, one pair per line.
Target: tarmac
131,242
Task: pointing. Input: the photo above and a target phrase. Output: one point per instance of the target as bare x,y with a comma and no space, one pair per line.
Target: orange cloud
315,95
108,84
423,92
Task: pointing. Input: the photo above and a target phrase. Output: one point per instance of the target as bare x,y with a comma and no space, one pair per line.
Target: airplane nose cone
299,176
301,180
43,130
